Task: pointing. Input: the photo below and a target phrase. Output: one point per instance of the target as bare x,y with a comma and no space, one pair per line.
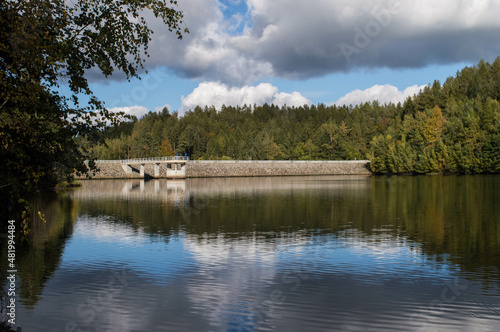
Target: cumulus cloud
138,111
304,39
298,39
218,94
207,51
384,94
160,108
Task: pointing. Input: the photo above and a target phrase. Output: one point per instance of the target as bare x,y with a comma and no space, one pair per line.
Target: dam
181,167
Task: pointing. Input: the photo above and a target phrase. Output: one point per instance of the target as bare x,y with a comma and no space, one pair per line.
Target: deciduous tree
43,42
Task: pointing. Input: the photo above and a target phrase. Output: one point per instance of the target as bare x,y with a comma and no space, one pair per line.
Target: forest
450,128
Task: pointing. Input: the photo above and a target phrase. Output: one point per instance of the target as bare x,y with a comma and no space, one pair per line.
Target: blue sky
295,52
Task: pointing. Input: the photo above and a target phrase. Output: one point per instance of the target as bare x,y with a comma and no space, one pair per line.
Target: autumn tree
166,148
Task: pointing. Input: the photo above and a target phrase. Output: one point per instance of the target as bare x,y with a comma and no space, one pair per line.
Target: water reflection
291,253
38,256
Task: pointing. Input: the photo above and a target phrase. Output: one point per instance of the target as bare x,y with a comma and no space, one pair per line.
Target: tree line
447,128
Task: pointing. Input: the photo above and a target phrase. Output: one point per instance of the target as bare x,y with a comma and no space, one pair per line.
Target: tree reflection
453,218
38,256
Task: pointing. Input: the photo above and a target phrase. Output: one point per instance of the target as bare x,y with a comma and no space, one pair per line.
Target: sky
298,52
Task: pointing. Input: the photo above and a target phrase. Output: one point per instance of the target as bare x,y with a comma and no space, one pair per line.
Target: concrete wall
231,168
115,171
238,168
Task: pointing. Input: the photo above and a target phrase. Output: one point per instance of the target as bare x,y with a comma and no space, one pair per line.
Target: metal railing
280,161
185,158
139,160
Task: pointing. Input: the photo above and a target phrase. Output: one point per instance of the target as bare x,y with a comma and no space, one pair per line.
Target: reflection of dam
172,190
179,190
283,184
147,187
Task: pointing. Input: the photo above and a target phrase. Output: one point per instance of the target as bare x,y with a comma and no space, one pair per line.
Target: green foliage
43,140
444,129
266,133
452,128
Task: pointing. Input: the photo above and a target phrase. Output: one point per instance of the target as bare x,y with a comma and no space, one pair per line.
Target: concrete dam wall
230,168
233,168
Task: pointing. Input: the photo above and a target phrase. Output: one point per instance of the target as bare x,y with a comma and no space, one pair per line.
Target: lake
319,253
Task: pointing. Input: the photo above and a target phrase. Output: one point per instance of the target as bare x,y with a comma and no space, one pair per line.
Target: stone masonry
219,168
242,168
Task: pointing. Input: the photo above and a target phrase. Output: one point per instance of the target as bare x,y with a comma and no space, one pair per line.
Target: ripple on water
322,260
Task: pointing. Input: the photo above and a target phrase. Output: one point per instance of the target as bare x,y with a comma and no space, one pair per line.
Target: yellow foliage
434,125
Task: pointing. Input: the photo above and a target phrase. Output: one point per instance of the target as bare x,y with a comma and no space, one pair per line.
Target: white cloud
160,108
207,51
383,93
299,39
218,94
296,39
303,39
138,111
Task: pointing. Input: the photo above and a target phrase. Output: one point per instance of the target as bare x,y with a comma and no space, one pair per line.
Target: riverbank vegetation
452,127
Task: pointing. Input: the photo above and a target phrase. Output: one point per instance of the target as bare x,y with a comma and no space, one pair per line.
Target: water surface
330,253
